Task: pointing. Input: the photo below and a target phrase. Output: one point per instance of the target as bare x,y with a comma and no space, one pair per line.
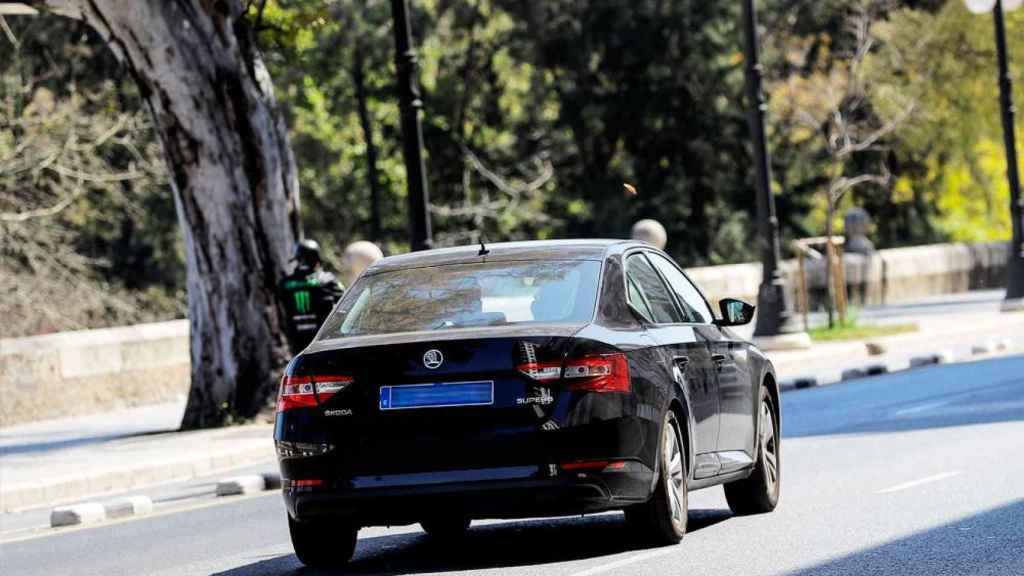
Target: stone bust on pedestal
857,223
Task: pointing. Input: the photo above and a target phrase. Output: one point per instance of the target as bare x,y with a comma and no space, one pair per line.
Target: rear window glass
464,295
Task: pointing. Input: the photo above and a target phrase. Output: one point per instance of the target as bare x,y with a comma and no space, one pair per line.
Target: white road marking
627,561
921,408
920,482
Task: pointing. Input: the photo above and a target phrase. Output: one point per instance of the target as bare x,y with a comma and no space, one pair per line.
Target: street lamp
775,328
410,104
1014,300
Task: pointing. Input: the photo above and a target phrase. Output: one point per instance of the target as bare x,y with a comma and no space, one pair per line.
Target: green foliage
853,330
951,158
535,115
946,159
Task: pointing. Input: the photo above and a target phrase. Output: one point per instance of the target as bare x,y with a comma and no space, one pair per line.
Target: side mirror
734,312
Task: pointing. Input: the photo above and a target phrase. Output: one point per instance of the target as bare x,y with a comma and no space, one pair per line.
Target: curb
800,383
93,512
943,357
984,349
988,348
248,484
67,489
876,369
853,374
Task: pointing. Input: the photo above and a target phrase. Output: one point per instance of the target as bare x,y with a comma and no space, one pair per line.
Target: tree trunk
359,80
233,178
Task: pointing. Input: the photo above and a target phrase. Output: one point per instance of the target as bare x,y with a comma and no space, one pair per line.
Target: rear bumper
511,492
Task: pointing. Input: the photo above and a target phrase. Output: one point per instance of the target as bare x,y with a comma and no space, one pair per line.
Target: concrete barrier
895,275
90,371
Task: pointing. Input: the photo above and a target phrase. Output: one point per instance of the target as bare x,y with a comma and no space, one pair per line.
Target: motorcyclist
309,294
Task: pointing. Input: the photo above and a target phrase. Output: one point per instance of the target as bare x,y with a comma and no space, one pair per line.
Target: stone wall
90,371
894,275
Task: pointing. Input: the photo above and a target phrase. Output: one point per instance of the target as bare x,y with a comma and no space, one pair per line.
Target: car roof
504,251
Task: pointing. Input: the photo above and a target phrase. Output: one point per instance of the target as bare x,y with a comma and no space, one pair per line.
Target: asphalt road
916,473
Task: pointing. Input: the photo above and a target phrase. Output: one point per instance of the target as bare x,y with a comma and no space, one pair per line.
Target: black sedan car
522,380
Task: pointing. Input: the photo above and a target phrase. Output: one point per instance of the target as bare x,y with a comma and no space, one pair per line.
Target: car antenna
483,247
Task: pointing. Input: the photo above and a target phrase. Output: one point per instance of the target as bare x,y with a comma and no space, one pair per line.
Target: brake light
303,391
607,373
542,371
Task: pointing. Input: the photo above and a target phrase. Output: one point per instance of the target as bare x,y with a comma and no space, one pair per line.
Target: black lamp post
420,236
775,327
1015,265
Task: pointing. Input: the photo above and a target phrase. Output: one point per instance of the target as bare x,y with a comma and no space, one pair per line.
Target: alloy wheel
673,459
769,446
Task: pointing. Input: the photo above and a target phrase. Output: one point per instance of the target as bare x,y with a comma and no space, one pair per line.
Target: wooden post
841,299
830,284
804,297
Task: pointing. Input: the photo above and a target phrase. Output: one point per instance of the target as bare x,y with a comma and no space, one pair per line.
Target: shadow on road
503,545
985,544
954,395
24,446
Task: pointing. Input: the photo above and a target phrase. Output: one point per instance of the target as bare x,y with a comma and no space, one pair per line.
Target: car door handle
718,360
681,361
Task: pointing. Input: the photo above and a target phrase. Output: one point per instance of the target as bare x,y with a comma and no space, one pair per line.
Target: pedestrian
309,294
652,232
358,256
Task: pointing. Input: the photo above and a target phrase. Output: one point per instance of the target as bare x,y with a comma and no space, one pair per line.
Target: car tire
759,493
662,519
445,527
323,545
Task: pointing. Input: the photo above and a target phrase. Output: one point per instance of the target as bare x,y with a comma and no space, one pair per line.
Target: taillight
607,373
303,391
542,371
604,373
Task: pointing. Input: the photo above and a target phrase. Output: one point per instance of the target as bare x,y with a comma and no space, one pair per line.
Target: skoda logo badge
433,359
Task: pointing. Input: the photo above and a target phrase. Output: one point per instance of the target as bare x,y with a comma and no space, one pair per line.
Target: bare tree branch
852,147
841,185
9,33
546,172
43,212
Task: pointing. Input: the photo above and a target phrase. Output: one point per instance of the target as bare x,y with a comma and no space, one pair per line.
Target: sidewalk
954,325
57,461
39,469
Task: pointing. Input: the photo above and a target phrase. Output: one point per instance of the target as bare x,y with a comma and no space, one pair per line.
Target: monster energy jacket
308,296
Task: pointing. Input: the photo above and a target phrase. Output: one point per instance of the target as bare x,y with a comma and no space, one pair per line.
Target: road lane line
627,561
920,482
921,408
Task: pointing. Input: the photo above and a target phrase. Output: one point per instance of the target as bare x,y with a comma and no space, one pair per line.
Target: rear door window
648,293
694,306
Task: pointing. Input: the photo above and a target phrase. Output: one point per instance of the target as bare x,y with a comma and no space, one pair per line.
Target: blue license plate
437,395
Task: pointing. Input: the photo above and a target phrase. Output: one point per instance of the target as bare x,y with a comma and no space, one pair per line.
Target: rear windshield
463,295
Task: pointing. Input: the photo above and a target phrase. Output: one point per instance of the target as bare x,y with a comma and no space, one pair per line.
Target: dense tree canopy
536,113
